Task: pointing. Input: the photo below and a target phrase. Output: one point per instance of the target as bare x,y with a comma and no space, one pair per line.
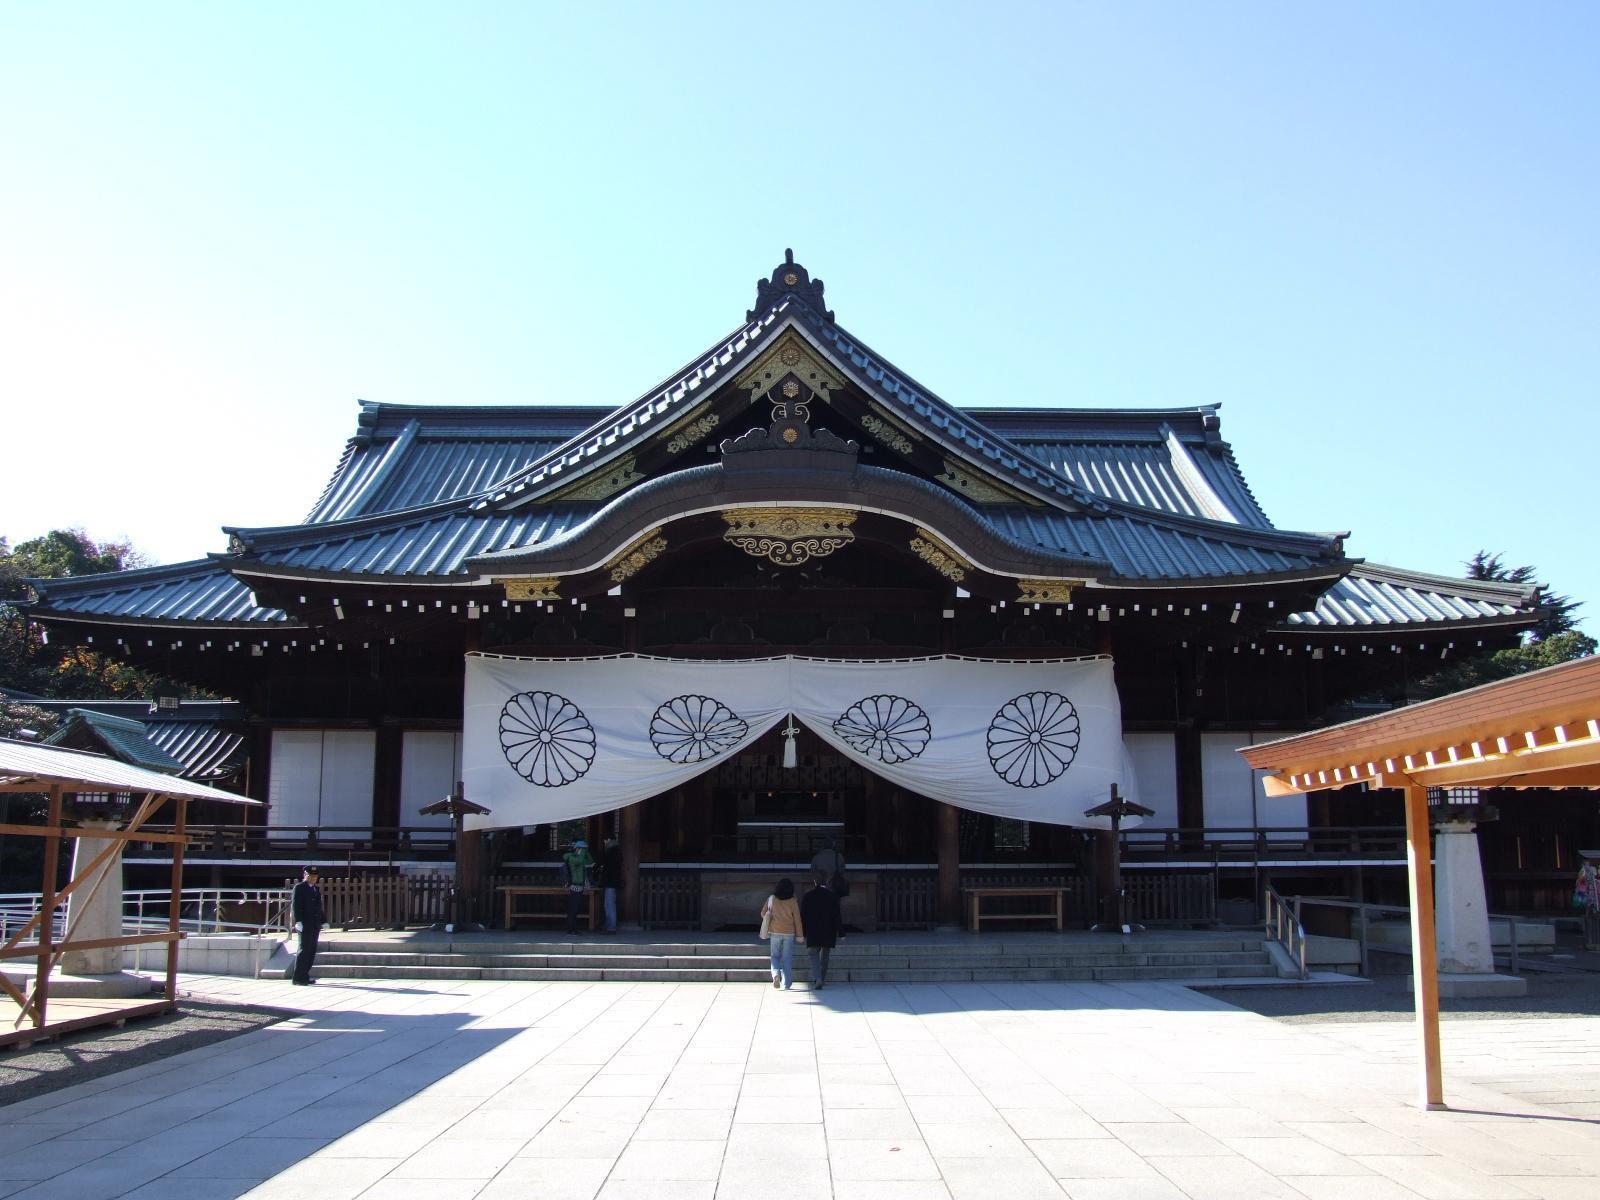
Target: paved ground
1090,1091
93,1053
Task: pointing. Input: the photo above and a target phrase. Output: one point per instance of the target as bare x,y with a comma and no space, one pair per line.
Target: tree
27,662
1557,611
1555,639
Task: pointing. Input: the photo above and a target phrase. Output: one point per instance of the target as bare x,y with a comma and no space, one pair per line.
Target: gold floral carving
1046,591
939,556
790,355
789,536
607,481
531,589
638,556
886,433
687,432
977,488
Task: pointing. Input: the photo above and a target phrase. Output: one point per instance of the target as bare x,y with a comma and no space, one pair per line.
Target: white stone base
1455,985
120,985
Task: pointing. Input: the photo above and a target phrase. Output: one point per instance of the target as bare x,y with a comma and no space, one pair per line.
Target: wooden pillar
1107,874
47,907
179,827
948,821
1424,950
1190,772
629,903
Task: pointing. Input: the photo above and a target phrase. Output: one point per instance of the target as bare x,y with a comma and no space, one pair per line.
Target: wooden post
630,902
949,832
180,823
1424,950
47,906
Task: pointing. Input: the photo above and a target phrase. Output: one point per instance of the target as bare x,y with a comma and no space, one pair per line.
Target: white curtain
553,739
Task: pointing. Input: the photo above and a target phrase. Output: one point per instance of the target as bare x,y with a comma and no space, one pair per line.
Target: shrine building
792,596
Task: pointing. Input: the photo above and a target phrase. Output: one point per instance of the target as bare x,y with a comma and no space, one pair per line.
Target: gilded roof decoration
977,488
790,360
531,589
940,557
1046,591
789,536
886,433
607,481
637,556
694,428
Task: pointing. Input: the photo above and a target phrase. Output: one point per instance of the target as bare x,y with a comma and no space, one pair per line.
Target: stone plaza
569,1091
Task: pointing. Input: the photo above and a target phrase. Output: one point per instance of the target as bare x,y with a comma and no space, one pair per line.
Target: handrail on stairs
1284,927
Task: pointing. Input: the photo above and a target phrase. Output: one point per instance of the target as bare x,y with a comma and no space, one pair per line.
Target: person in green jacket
579,862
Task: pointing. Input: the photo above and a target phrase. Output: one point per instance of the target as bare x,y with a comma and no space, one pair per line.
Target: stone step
1113,947
762,975
758,960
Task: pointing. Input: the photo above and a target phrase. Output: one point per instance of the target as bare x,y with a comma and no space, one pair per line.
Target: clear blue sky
1368,230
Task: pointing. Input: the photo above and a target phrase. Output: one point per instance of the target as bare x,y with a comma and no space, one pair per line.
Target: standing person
579,862
309,918
785,926
610,874
827,863
819,913
1586,899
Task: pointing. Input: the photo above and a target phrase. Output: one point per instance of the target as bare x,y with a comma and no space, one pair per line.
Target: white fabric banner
554,739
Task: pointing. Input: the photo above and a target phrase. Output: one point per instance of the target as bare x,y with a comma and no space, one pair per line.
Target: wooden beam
1424,948
72,831
132,939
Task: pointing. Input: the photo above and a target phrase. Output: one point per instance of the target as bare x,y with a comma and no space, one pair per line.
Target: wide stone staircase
1081,957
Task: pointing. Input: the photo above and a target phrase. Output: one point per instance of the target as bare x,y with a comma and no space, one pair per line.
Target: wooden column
47,905
1424,949
948,821
180,827
629,903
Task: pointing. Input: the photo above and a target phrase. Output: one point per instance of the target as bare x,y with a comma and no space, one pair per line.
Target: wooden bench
515,913
976,896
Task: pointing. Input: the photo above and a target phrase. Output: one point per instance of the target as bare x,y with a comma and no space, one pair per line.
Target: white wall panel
430,764
1155,771
349,757
1234,796
295,789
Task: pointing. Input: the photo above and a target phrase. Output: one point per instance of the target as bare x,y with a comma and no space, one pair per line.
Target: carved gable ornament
789,367
789,536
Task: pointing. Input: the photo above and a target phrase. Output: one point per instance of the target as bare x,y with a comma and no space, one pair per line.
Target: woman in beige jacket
782,912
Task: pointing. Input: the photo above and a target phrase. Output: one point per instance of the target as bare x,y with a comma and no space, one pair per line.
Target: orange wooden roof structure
1539,730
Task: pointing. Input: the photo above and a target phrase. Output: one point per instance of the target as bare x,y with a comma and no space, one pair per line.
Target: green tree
1555,639
27,662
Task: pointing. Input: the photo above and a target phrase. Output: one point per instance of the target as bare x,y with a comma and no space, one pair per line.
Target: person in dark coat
309,919
819,913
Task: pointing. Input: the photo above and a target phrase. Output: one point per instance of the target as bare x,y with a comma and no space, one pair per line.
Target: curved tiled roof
200,593
404,456
1374,596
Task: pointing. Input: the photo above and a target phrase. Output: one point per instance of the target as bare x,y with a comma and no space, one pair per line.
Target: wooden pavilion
62,775
1540,730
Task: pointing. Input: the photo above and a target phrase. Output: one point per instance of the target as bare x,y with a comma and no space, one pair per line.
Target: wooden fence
670,899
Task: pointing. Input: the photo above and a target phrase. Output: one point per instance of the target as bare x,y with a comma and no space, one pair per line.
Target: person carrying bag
781,926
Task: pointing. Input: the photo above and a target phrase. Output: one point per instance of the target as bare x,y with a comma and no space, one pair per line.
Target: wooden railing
1250,846
1285,928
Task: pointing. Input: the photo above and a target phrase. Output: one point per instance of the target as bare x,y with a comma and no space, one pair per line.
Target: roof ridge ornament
788,279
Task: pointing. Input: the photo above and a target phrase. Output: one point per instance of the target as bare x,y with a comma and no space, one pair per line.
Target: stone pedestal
1461,917
1461,913
99,915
